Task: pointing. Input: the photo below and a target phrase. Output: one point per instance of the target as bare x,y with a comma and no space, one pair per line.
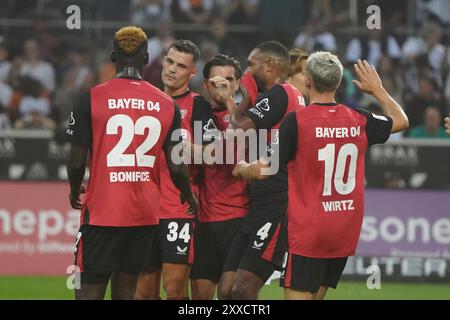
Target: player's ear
205,84
113,57
308,82
269,64
193,73
236,86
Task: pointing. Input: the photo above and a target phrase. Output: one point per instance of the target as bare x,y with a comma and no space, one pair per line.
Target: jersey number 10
117,156
327,155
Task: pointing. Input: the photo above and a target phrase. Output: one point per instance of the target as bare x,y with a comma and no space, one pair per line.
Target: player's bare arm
251,171
447,124
76,166
370,83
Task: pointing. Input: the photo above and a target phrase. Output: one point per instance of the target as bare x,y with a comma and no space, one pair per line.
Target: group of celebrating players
148,218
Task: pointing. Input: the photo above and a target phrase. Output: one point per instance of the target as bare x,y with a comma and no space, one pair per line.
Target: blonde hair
296,57
130,38
326,71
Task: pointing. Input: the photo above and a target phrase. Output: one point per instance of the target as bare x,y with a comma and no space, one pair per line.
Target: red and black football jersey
124,123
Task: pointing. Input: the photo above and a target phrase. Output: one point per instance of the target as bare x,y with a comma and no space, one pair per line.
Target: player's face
256,66
177,69
298,80
226,72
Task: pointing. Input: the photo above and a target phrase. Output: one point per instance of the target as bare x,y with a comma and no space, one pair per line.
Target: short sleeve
79,130
176,124
378,128
269,108
288,139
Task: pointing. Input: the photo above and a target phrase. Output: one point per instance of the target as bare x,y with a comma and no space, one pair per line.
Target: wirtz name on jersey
342,205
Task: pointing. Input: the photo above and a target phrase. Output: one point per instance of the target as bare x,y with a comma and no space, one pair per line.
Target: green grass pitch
27,287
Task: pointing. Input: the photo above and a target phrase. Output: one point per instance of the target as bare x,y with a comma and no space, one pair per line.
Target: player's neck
321,98
129,72
176,92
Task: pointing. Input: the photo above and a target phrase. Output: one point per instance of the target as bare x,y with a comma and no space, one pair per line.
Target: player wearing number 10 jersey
124,125
323,146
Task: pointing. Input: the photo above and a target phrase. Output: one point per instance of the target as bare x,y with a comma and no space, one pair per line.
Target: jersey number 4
117,156
327,155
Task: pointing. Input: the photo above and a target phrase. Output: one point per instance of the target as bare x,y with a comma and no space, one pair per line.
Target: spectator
5,65
5,101
316,38
149,11
34,108
428,95
372,47
35,68
238,11
195,11
226,43
208,50
427,43
437,10
432,127
335,13
447,90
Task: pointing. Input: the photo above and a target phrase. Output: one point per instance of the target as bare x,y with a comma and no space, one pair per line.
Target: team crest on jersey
301,100
183,113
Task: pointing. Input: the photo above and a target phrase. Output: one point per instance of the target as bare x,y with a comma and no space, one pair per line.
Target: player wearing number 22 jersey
124,125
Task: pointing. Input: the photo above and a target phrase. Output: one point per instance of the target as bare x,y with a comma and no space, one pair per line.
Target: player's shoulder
161,95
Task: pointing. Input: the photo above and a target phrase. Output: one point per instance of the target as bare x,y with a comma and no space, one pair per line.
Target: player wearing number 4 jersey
124,125
174,252
247,269
323,146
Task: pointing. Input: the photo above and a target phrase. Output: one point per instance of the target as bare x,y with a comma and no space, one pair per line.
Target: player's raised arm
370,83
179,173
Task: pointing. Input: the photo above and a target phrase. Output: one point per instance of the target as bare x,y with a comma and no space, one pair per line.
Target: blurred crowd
43,69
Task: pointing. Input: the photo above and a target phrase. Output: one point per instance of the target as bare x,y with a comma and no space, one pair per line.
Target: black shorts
259,251
102,250
309,274
213,244
174,244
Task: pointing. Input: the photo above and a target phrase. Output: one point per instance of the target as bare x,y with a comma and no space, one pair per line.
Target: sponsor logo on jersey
181,250
71,119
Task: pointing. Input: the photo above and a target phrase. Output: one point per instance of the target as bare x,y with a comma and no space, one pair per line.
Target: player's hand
220,91
447,124
74,198
369,80
240,170
192,202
